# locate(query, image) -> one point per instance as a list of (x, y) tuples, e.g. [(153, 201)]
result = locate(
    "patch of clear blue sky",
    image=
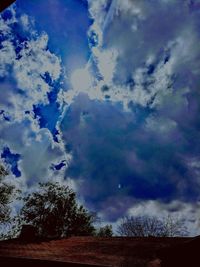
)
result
[(66, 22), (11, 159)]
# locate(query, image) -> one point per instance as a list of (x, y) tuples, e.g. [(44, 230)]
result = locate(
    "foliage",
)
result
[(143, 226), (6, 192), (53, 210), (105, 231)]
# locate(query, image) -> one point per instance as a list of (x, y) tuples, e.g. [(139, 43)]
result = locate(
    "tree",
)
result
[(53, 210), (174, 227), (105, 231), (6, 193), (143, 226)]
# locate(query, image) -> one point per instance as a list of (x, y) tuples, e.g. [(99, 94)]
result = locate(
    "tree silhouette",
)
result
[(143, 226), (105, 231), (54, 211), (6, 192)]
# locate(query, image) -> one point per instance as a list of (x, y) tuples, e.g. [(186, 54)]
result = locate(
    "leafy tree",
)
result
[(143, 226), (6, 192), (105, 231), (53, 210)]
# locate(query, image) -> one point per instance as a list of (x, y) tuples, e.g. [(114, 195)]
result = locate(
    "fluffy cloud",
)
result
[(177, 209), (128, 139), (139, 157), (152, 56), (28, 73), (25, 62), (135, 52), (136, 130)]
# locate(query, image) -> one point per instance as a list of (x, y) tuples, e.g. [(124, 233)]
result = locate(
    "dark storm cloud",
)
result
[(156, 75), (145, 29), (116, 155)]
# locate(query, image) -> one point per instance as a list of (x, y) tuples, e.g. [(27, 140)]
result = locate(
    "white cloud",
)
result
[(149, 90), (37, 149), (28, 70), (132, 7), (160, 126), (7, 55), (25, 20), (176, 209), (132, 36), (81, 79), (106, 62), (98, 10), (84, 80)]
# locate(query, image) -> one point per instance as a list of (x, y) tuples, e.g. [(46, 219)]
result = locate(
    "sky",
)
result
[(103, 95)]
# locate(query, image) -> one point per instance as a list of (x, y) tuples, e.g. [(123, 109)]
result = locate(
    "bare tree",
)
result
[(174, 227), (144, 226)]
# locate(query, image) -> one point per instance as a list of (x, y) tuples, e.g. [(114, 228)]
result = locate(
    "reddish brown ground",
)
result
[(116, 251)]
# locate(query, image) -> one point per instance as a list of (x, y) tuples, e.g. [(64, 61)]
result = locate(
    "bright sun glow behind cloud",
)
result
[(81, 79)]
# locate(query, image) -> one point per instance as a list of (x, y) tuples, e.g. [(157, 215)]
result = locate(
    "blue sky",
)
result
[(104, 95)]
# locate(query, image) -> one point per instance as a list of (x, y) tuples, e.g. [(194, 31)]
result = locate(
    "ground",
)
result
[(116, 251)]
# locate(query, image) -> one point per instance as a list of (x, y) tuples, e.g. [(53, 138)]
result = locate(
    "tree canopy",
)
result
[(6, 192), (54, 211), (105, 231)]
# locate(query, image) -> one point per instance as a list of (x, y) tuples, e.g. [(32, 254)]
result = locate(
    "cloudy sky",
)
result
[(105, 95)]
